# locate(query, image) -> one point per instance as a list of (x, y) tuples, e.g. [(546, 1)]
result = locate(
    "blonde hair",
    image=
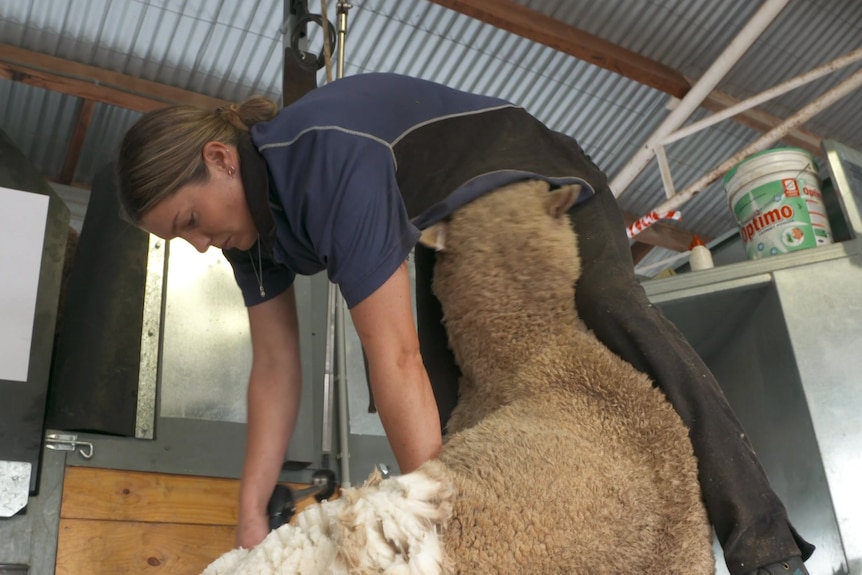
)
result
[(163, 151)]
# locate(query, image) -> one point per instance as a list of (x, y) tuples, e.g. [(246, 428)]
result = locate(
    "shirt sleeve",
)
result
[(367, 233), (275, 278)]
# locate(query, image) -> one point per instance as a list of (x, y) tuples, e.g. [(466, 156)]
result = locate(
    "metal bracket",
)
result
[(299, 73), (151, 335), (68, 442)]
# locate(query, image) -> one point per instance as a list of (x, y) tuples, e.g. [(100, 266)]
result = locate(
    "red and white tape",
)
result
[(649, 219)]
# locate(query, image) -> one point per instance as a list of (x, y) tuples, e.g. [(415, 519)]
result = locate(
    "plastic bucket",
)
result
[(776, 198)]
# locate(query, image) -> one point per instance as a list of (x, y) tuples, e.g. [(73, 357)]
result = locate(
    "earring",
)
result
[(231, 171)]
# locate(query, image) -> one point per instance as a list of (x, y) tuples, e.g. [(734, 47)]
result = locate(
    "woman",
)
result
[(343, 180)]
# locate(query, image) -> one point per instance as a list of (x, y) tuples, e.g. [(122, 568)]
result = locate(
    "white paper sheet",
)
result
[(23, 217)]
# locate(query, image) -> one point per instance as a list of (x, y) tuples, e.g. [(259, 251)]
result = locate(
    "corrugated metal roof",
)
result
[(232, 50)]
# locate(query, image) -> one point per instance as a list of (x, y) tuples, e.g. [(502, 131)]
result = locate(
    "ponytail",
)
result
[(248, 113)]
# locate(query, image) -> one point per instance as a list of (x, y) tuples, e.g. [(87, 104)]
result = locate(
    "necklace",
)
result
[(258, 275)]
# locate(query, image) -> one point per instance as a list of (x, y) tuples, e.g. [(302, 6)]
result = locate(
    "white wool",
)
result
[(388, 527), (226, 563)]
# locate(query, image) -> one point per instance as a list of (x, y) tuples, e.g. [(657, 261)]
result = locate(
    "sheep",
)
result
[(560, 457), (588, 462)]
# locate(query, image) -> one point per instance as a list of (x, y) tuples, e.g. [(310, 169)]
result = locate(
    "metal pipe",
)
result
[(765, 96), (698, 93), (852, 82), (341, 10), (343, 422), (341, 347), (664, 169), (329, 376)]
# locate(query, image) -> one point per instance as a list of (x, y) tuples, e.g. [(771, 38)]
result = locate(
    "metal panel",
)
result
[(206, 355), (206, 349), (150, 339), (97, 361), (742, 337), (780, 334), (823, 311), (31, 538), (845, 168), (193, 433), (22, 411), (76, 199)]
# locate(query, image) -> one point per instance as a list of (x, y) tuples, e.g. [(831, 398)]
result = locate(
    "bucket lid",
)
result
[(733, 170)]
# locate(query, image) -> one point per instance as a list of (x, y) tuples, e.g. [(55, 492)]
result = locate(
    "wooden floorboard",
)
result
[(94, 547), (126, 522), (116, 495)]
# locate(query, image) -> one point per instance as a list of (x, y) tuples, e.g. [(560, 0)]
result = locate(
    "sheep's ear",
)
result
[(560, 200), (434, 237)]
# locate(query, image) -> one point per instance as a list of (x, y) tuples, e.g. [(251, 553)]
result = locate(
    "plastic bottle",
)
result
[(700, 257)]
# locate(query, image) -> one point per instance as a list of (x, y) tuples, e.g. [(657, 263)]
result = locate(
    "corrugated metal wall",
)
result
[(232, 50)]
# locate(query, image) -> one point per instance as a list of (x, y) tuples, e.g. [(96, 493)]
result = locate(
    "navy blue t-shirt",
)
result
[(357, 167)]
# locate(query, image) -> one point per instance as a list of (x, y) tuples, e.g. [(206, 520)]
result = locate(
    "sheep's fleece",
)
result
[(560, 457)]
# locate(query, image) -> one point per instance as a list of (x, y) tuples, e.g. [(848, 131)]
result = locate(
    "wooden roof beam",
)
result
[(538, 27), (533, 25), (92, 83), (76, 142)]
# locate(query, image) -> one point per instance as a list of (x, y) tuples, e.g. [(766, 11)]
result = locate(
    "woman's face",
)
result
[(213, 213)]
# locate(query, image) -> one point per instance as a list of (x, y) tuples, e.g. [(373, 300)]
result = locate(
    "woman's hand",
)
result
[(251, 529)]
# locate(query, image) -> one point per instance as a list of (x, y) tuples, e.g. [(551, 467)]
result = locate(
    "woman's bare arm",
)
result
[(274, 391), (402, 390)]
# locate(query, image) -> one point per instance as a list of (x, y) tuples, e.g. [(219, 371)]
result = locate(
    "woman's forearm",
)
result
[(273, 405), (402, 390), (274, 392), (405, 402)]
